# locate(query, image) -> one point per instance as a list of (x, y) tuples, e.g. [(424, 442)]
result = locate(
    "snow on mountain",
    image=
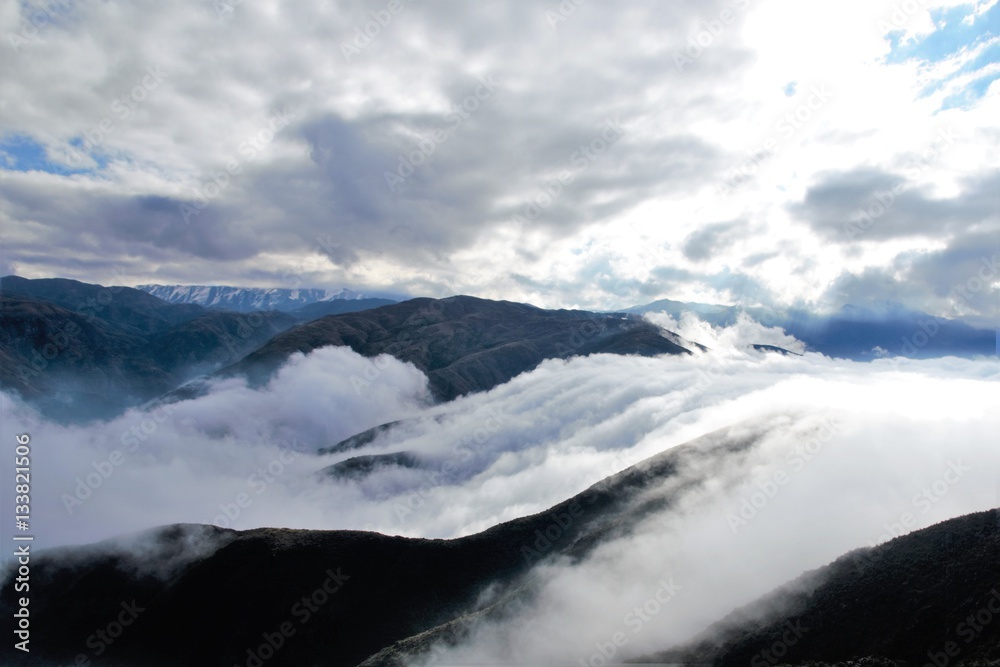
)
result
[(247, 299)]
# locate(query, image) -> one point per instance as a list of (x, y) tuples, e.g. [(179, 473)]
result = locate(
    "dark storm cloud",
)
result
[(559, 81), (709, 239), (421, 185), (868, 204), (957, 281), (108, 224), (446, 151), (965, 274)]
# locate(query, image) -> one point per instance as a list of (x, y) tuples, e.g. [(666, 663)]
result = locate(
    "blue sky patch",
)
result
[(953, 34), (22, 153)]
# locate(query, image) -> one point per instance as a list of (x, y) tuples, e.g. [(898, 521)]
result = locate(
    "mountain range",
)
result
[(861, 333), (352, 597), (464, 344), (80, 351), (250, 299)]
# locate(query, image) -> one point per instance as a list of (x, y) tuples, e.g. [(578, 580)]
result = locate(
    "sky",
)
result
[(581, 154)]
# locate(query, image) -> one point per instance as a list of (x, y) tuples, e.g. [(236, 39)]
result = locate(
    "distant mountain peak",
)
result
[(248, 299)]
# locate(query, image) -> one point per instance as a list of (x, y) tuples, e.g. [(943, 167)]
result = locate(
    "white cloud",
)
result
[(686, 132), (531, 443)]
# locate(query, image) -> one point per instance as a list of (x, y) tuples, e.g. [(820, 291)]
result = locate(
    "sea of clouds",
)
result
[(848, 454)]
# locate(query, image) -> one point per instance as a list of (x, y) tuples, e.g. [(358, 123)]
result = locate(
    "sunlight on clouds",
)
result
[(727, 117)]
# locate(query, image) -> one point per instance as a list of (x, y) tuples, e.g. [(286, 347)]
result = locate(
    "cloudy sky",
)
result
[(583, 154)]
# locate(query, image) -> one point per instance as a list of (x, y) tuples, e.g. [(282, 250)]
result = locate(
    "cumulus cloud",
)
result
[(873, 205), (119, 115), (190, 461), (709, 240), (737, 339)]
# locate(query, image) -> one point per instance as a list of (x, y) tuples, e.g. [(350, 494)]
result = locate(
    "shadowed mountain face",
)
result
[(358, 467), (932, 596), (70, 365), (314, 311), (341, 596), (462, 343), (77, 351), (130, 310), (358, 440), (200, 595)]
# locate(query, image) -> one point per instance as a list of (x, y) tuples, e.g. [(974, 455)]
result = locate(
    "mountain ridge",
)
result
[(463, 343), (387, 600), (225, 595), (907, 599), (249, 299), (859, 333)]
